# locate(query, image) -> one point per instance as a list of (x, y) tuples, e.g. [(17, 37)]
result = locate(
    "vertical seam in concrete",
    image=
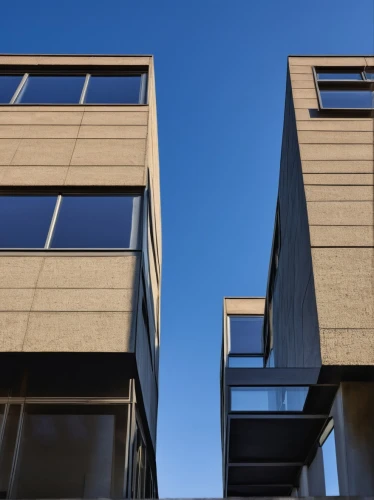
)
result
[(15, 152), (75, 143), (32, 303)]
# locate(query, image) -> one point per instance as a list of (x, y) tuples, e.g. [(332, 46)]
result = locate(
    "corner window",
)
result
[(245, 334), (8, 87), (49, 89), (113, 90), (329, 464), (69, 221)]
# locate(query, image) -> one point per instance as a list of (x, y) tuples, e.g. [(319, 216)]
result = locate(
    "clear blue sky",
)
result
[(221, 71)]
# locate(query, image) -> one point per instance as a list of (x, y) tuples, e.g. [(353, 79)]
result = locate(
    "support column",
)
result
[(353, 413)]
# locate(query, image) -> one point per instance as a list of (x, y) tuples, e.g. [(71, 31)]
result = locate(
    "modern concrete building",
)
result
[(303, 424), (80, 271)]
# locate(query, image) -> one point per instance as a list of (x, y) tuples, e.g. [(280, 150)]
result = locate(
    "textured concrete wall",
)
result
[(70, 302), (295, 322), (337, 165)]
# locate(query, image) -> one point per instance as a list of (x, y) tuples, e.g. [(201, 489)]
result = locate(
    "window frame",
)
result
[(136, 226), (342, 84), (47, 71), (242, 355)]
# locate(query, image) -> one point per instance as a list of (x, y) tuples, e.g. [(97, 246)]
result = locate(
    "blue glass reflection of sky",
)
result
[(330, 467)]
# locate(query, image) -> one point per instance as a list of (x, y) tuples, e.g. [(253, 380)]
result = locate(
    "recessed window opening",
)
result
[(347, 99), (69, 221), (268, 399)]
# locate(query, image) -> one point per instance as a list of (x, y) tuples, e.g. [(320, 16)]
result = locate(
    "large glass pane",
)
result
[(69, 452), (246, 362), (25, 220), (330, 466), (268, 398), (94, 221), (246, 334), (113, 90), (48, 89), (355, 99), (354, 75), (369, 74), (7, 448), (8, 86)]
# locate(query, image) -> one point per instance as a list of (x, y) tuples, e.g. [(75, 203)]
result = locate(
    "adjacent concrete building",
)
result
[(80, 271), (303, 424)]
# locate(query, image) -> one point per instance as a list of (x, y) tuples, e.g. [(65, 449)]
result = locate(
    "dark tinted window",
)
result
[(339, 76), (94, 222), (246, 334), (246, 362), (355, 99), (25, 220), (8, 85), (47, 89), (369, 75), (113, 90)]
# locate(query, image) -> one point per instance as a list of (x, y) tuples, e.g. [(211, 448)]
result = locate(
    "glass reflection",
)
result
[(48, 89), (246, 334), (25, 220), (94, 221), (353, 99), (330, 465), (8, 86), (270, 399), (113, 90), (246, 362), (339, 76)]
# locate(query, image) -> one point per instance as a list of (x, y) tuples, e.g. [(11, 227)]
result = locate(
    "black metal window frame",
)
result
[(52, 71), (242, 355), (342, 84)]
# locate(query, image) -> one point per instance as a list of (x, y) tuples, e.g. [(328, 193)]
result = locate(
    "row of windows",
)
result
[(69, 221), (368, 74), (72, 89)]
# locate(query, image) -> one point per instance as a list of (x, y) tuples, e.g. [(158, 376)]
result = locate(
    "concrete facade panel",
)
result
[(301, 77), (16, 299), (339, 179), (335, 137), (306, 103), (244, 305), (326, 61), (78, 332), (304, 93), (112, 132), (336, 125), (19, 272), (33, 176), (121, 118), (8, 148), (336, 152), (13, 327), (349, 346), (338, 167), (344, 280), (97, 300), (14, 116), (300, 69), (43, 152), (88, 272), (303, 84), (339, 193), (341, 236), (109, 152), (105, 176), (336, 213)]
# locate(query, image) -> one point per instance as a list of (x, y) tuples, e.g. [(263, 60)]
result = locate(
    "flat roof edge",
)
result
[(74, 55), (331, 55)]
